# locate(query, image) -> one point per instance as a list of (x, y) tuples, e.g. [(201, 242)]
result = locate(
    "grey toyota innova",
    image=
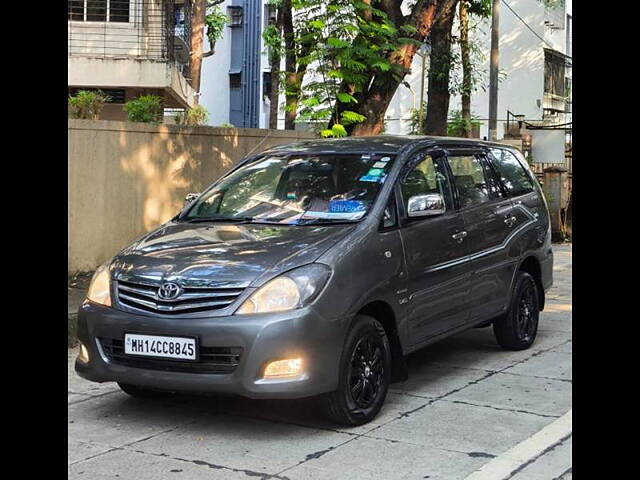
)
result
[(312, 269)]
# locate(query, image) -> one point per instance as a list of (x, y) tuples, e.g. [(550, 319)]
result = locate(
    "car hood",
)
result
[(215, 254)]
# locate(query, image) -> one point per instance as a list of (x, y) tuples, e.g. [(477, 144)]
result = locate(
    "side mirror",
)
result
[(426, 205), (190, 198)]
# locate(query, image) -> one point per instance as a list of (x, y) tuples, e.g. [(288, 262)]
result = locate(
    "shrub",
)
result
[(87, 104), (458, 127), (197, 115), (145, 109)]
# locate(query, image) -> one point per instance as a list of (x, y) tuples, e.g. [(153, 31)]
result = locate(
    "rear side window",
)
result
[(511, 172), (469, 180)]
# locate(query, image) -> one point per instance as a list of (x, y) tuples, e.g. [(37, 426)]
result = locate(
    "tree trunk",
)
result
[(292, 87), (275, 77), (198, 12), (374, 101), (440, 65), (466, 68)]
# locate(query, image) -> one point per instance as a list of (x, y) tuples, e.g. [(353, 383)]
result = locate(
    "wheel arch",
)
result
[(383, 313), (531, 265)]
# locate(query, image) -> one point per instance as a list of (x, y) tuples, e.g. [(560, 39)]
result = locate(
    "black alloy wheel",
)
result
[(518, 327), (365, 374)]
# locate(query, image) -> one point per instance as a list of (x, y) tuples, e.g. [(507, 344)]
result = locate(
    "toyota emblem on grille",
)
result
[(169, 291)]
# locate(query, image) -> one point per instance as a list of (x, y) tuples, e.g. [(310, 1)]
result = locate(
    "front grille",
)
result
[(143, 296), (217, 360)]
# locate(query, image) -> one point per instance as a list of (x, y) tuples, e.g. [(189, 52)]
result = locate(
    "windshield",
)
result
[(296, 189)]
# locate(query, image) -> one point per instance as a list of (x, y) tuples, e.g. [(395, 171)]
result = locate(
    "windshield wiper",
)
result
[(219, 220), (320, 221)]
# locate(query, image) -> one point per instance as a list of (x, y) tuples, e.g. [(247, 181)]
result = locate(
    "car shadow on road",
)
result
[(424, 376)]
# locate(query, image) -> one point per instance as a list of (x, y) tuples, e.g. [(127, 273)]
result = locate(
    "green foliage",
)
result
[(215, 20), (227, 125), (87, 104), (197, 115), (346, 42), (414, 120), (458, 126), (145, 109)]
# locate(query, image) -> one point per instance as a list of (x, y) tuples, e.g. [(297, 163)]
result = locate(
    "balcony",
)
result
[(141, 46)]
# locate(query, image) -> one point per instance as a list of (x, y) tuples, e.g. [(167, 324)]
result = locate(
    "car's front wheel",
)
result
[(365, 372), (517, 329)]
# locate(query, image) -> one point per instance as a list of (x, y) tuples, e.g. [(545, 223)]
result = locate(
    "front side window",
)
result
[(469, 180), (512, 174), (296, 189), (425, 178)]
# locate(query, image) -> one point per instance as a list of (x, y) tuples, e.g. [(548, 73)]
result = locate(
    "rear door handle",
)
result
[(459, 236)]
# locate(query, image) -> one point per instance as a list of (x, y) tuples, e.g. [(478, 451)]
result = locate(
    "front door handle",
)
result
[(459, 237), (510, 221)]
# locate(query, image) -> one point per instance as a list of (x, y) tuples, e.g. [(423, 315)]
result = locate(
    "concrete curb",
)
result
[(517, 458)]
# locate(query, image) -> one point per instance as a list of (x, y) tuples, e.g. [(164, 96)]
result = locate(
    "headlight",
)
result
[(100, 287), (294, 289)]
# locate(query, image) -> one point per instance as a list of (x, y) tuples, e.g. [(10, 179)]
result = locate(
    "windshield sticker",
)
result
[(346, 206), (373, 178), (375, 172), (379, 165), (385, 159)]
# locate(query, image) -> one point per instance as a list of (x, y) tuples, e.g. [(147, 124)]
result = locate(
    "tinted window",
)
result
[(512, 173), (424, 178), (469, 180)]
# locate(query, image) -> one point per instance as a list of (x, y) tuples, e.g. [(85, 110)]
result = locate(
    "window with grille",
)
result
[(554, 73), (235, 80), (99, 10), (235, 16)]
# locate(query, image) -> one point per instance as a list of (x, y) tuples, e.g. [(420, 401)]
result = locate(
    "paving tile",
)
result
[(80, 450), (550, 364), (367, 458), (531, 394), (463, 428), (131, 465), (433, 380), (244, 443)]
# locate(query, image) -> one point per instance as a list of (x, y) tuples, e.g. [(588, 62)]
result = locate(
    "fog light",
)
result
[(83, 355), (290, 367)]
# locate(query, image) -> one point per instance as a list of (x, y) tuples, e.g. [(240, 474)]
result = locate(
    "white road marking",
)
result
[(504, 465)]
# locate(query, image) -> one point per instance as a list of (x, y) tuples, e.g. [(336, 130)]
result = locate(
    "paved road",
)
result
[(467, 407)]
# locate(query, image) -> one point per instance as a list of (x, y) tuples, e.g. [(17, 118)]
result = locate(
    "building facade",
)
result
[(129, 48), (235, 80)]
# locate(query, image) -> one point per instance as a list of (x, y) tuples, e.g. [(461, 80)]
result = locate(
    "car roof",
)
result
[(375, 144)]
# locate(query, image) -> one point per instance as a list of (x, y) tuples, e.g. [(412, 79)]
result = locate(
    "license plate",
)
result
[(160, 346)]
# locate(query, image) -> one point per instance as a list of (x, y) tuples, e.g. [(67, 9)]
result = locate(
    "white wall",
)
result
[(214, 81)]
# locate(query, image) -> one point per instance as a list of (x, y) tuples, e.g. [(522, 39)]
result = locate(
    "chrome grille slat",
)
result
[(143, 297)]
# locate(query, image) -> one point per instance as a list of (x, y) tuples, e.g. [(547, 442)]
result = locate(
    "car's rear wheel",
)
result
[(517, 329), (142, 392), (365, 372)]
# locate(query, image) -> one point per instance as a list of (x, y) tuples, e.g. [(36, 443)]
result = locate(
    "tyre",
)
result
[(365, 372), (141, 392), (517, 329)]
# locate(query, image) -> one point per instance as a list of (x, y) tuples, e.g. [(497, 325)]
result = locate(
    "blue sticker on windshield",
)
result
[(346, 206)]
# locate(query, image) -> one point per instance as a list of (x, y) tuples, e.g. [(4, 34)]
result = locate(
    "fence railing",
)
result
[(143, 29)]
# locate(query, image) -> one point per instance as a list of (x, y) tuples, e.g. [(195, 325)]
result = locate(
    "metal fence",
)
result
[(143, 29)]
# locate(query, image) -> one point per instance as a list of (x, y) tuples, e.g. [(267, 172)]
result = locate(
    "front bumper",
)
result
[(262, 337)]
